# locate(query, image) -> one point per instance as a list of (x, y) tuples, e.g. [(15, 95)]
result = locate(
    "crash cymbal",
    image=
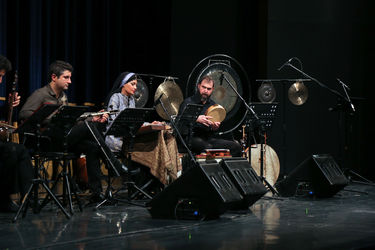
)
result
[(141, 94), (298, 93), (266, 92), (172, 98)]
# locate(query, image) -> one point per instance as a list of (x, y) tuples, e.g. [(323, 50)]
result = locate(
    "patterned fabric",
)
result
[(158, 151)]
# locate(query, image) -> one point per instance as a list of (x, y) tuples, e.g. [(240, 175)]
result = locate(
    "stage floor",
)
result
[(345, 221)]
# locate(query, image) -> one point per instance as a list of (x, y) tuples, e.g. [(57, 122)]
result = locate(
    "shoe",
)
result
[(9, 206)]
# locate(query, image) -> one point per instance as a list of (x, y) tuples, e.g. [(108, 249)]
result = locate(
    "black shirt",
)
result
[(199, 129)]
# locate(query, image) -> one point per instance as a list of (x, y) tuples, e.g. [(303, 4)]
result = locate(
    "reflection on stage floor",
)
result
[(345, 221)]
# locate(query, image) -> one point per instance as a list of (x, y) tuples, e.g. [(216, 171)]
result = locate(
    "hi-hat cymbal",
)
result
[(172, 98), (298, 93)]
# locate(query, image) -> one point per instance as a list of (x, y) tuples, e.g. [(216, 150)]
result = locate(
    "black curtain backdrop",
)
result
[(99, 38)]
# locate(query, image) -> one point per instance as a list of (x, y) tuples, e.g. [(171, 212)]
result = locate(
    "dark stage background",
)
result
[(101, 39)]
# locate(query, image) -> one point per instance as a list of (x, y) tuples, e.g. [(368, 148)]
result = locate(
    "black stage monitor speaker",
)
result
[(245, 179), (318, 175), (203, 192)]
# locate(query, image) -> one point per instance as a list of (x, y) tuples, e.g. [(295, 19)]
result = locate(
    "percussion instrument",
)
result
[(152, 128), (171, 96), (266, 92), (298, 93), (271, 163), (217, 112), (229, 77), (141, 94)]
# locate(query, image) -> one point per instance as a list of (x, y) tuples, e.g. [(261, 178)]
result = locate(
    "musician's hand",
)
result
[(205, 120), (215, 125), (100, 118), (16, 100)]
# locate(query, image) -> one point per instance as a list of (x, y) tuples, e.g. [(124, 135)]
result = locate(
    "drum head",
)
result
[(217, 112), (271, 163)]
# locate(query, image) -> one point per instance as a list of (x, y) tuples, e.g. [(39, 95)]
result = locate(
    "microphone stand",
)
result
[(269, 186), (318, 82), (346, 98)]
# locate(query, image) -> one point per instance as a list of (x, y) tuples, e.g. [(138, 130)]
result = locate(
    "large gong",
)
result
[(229, 77)]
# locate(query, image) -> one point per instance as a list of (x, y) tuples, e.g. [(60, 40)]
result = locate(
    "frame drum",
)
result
[(217, 112), (271, 163)]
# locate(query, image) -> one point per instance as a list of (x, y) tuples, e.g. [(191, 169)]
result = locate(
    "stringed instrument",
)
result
[(6, 129)]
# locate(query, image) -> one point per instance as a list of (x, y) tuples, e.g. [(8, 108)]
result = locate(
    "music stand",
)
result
[(33, 125), (126, 124), (263, 123), (110, 163), (186, 120), (61, 124)]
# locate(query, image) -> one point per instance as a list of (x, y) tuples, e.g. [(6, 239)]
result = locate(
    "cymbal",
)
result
[(298, 93), (172, 98), (266, 92), (141, 94)]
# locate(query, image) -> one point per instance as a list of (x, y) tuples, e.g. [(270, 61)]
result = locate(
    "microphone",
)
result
[(343, 84), (286, 63), (137, 95), (158, 100)]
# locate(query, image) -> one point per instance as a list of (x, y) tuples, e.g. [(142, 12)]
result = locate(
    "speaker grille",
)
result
[(245, 179), (321, 172)]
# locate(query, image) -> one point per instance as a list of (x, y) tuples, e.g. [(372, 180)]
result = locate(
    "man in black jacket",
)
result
[(204, 129)]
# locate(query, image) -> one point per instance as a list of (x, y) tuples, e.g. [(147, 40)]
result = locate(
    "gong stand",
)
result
[(257, 121)]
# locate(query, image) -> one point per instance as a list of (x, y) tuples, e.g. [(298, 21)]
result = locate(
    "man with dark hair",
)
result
[(79, 139), (204, 129), (16, 170)]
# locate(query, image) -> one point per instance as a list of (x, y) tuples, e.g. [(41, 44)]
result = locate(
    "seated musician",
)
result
[(204, 129), (79, 139), (16, 170), (158, 150)]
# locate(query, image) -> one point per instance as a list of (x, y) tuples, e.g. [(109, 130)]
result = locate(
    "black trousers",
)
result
[(200, 143), (16, 169), (79, 140)]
